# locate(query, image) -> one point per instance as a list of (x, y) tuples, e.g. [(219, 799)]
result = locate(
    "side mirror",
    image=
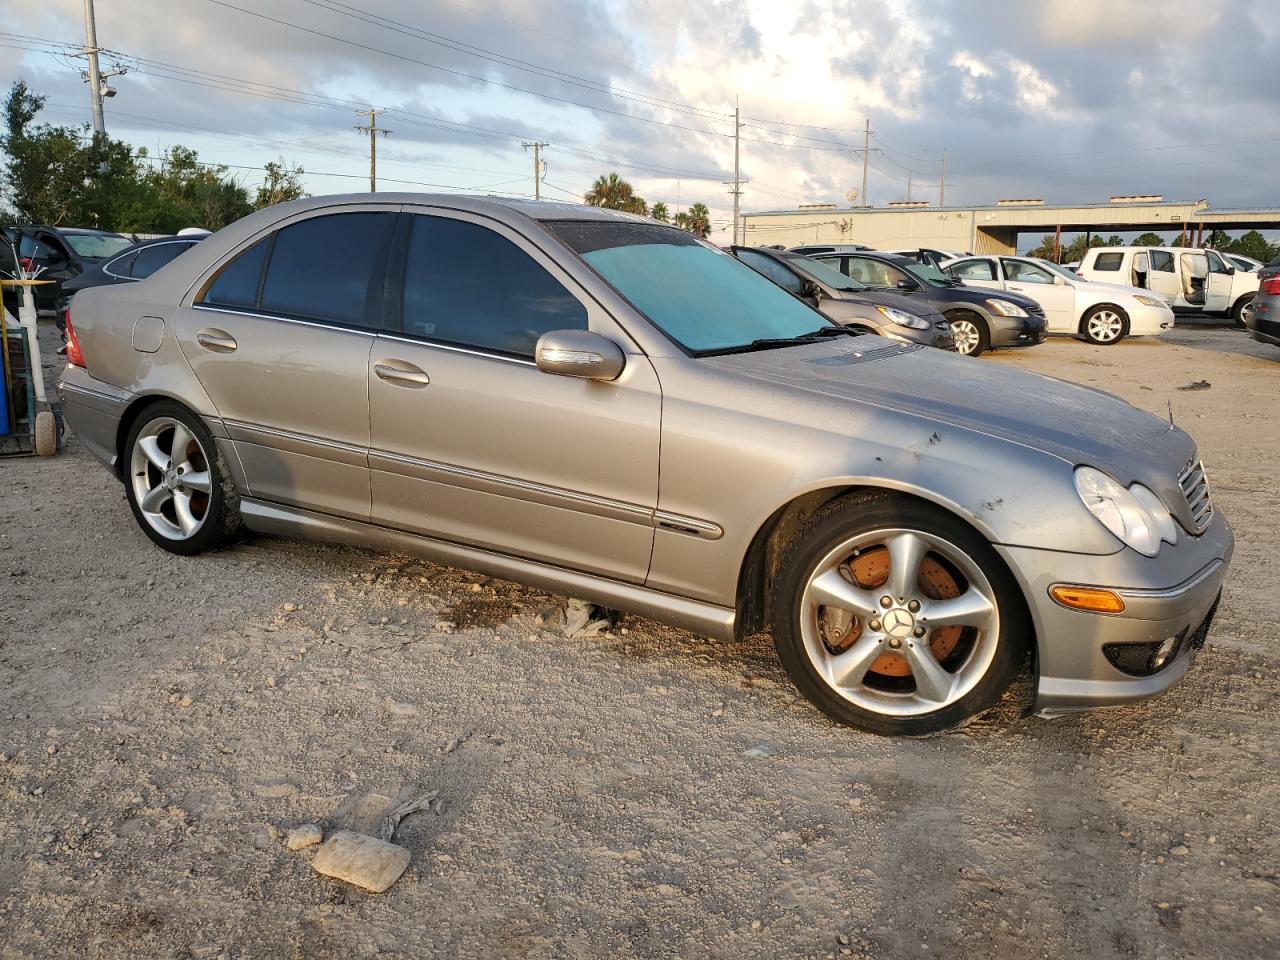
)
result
[(579, 353), (1058, 280), (906, 283)]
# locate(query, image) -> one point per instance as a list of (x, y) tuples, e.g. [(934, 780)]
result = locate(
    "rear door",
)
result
[(471, 442), (1162, 276), (280, 338)]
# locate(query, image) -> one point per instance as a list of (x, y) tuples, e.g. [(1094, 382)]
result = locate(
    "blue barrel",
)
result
[(4, 391)]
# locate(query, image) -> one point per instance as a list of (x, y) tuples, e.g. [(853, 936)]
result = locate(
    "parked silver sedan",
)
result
[(608, 407)]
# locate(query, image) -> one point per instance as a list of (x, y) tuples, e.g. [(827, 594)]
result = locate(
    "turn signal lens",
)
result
[(1087, 598)]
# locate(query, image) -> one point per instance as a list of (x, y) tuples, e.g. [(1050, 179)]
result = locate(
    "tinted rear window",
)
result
[(151, 259), (322, 268), (1108, 261), (237, 284)]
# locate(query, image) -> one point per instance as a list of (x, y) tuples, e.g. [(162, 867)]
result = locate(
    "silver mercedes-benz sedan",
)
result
[(610, 408)]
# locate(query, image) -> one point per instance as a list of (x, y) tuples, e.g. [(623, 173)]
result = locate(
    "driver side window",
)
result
[(1019, 271), (973, 270), (773, 270)]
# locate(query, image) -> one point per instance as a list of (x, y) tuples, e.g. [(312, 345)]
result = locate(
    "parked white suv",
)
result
[(1102, 313), (1199, 280)]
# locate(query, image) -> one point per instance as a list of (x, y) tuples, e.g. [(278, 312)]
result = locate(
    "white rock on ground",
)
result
[(307, 835), (366, 862)]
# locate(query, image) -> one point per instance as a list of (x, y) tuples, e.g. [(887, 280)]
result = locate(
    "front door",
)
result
[(1052, 291), (472, 443), (280, 340), (977, 272), (1218, 282)]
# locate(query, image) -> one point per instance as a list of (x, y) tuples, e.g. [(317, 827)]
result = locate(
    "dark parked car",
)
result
[(1262, 316), (979, 318), (133, 264), (64, 253), (846, 302)]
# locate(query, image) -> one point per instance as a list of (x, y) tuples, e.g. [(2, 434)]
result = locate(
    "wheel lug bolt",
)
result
[(919, 631), (886, 602), (874, 624), (913, 606), (895, 642)]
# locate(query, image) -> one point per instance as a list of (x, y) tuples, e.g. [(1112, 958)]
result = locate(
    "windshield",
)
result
[(824, 273), (96, 244), (702, 298)]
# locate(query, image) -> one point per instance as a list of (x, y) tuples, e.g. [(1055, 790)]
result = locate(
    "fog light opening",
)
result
[(1090, 599), (1163, 653)]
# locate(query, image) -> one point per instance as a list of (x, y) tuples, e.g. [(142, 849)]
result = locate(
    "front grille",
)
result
[(1195, 487), (1036, 310)]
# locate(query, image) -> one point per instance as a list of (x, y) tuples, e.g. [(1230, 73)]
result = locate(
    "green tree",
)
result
[(682, 220), (46, 168), (199, 194), (1253, 244), (699, 221), (1148, 239), (659, 212), (282, 183)]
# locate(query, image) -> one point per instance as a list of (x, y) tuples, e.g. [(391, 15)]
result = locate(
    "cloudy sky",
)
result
[(1069, 100)]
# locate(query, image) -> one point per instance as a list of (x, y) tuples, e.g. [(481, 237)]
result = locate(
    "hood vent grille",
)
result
[(1195, 487)]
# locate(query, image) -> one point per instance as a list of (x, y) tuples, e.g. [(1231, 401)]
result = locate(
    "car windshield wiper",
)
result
[(822, 333)]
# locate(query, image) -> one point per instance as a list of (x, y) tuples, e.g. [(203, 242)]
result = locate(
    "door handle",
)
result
[(400, 373), (219, 341)]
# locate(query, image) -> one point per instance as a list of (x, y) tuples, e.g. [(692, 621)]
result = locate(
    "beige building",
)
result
[(994, 228)]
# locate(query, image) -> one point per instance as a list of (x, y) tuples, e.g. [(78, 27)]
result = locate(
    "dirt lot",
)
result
[(647, 793)]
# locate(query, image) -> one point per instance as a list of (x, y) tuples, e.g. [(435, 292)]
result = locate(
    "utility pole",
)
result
[(373, 130), (96, 83), (867, 156), (942, 183), (737, 173), (908, 186), (539, 168)]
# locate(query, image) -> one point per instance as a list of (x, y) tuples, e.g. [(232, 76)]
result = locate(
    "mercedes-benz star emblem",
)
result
[(899, 623)]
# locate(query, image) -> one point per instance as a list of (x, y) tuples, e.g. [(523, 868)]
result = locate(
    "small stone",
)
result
[(755, 924), (6, 756), (1159, 860), (667, 890), (843, 939), (1179, 851), (271, 682), (186, 701), (366, 862), (51, 749), (307, 835), (718, 712), (1126, 834), (451, 746), (476, 588), (1163, 905), (289, 607), (759, 751)]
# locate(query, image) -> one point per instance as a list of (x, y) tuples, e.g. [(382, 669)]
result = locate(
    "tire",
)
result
[(46, 434), (970, 333), (186, 504), (1104, 325), (882, 678), (1239, 308)]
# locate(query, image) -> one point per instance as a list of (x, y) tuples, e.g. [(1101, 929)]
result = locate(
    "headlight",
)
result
[(903, 318), (1135, 515), (1006, 308), (1150, 301)]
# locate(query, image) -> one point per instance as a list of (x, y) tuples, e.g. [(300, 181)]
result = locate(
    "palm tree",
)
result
[(682, 220), (637, 206), (659, 212), (612, 192), (699, 220)]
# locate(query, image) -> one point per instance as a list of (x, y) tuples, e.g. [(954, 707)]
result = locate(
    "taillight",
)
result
[(75, 356), (1271, 286)]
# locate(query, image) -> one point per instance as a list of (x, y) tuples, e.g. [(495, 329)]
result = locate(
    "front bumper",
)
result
[(1170, 595), (937, 334), (1263, 321), (1145, 321), (1016, 331)]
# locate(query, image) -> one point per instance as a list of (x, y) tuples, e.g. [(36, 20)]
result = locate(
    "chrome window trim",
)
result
[(321, 324), (471, 351), (135, 252)]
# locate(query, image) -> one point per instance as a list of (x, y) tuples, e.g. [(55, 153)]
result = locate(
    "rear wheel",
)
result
[(894, 616), (1104, 325), (1241, 308), (970, 334), (178, 486)]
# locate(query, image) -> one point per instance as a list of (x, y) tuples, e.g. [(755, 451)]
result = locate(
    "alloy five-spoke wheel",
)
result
[(177, 483), (169, 471), (893, 615)]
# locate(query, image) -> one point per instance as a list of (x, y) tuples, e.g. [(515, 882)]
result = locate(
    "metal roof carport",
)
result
[(994, 228)]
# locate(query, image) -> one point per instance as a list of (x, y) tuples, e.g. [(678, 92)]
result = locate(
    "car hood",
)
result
[(1080, 425), (886, 298), (963, 294)]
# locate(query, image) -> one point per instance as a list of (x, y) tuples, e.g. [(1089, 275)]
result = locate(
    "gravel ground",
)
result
[(164, 722)]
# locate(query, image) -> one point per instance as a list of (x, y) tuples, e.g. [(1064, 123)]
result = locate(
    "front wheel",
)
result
[(970, 335), (894, 616), (178, 485), (1105, 325)]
